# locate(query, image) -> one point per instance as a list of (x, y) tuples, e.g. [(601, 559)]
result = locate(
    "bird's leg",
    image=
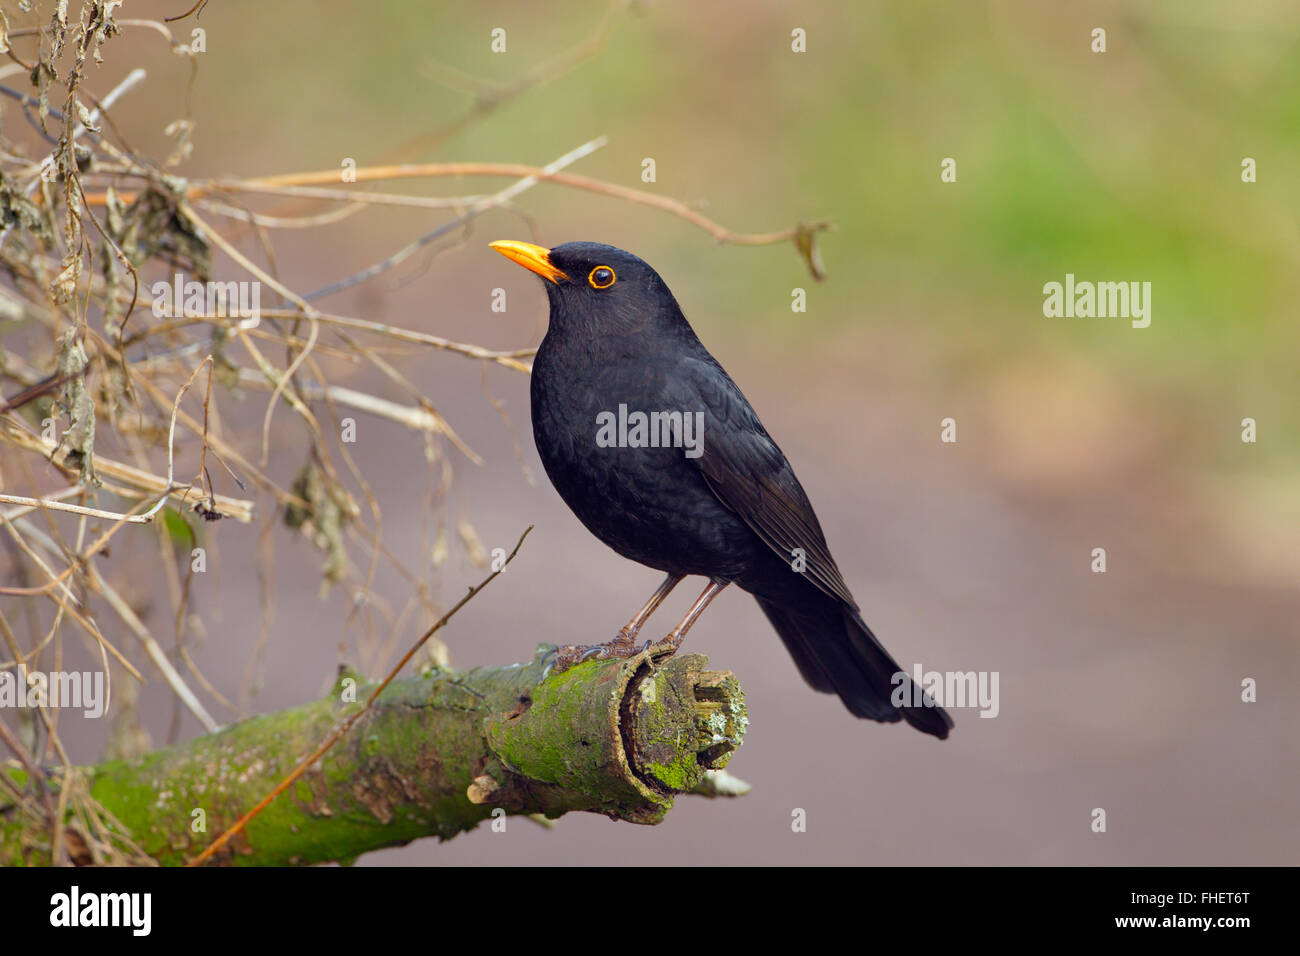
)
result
[(633, 627), (623, 644), (668, 646)]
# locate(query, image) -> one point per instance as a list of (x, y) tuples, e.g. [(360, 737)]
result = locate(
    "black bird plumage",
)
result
[(736, 513)]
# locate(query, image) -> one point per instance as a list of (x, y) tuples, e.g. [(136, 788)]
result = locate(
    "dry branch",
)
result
[(436, 755), (88, 226)]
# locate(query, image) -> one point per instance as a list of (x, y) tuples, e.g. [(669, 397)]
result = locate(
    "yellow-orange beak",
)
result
[(531, 257)]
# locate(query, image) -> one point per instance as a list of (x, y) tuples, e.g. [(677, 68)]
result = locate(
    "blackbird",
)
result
[(655, 449)]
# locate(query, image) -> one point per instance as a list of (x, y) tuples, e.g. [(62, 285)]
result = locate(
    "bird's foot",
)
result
[(665, 648), (620, 648)]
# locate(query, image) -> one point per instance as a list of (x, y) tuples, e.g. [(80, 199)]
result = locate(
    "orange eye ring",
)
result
[(601, 277)]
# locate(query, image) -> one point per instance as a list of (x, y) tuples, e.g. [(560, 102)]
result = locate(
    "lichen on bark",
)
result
[(436, 755)]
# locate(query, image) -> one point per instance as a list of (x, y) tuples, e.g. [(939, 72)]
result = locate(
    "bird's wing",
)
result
[(750, 475)]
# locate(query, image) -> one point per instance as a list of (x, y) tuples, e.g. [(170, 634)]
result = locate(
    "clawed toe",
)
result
[(617, 649), (620, 648), (663, 649)]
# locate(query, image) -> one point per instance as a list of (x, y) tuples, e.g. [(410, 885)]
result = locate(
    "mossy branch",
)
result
[(435, 756)]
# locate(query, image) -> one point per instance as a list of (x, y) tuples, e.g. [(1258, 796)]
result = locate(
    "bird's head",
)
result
[(596, 288)]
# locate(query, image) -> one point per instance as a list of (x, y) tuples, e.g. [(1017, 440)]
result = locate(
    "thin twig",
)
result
[(337, 733), (473, 212)]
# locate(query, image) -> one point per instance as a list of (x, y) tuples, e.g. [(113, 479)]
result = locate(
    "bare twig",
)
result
[(215, 846)]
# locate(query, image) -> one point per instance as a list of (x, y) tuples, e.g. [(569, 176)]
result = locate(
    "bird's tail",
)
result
[(836, 653)]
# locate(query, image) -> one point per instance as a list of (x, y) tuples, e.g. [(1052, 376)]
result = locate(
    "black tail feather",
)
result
[(836, 653)]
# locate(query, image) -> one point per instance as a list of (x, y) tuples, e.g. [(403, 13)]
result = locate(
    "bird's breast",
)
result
[(624, 460)]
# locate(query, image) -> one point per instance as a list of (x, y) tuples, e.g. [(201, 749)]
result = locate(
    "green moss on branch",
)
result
[(435, 756)]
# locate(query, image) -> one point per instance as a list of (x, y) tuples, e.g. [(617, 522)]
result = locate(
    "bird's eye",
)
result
[(602, 277)]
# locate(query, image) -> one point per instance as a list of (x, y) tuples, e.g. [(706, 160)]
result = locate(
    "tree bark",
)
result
[(436, 755)]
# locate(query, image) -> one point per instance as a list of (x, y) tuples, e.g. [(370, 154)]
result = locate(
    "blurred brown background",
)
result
[(1118, 690)]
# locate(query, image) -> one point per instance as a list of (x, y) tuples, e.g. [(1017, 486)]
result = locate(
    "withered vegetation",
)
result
[(112, 401)]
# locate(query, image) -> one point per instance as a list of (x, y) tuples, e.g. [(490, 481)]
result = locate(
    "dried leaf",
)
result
[(75, 401)]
